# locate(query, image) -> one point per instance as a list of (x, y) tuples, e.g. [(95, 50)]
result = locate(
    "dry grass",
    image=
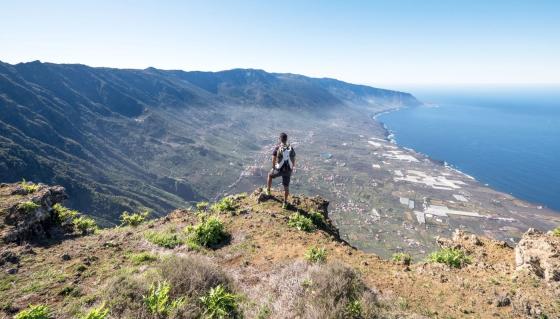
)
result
[(303, 290), (336, 291), (192, 276), (124, 296)]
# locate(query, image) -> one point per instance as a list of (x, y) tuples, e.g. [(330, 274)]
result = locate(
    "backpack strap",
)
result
[(285, 150)]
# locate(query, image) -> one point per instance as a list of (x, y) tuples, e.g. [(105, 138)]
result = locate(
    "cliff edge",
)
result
[(245, 256)]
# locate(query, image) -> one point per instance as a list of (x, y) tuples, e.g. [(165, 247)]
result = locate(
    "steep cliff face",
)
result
[(267, 262)]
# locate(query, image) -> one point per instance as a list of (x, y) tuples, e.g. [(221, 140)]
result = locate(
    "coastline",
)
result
[(390, 137)]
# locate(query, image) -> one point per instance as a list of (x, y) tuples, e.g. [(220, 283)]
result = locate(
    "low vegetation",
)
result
[(219, 303), (301, 222), (134, 219), (73, 219), (354, 309), (158, 300), (172, 289), (100, 312), (143, 257), (336, 291), (402, 258), (317, 218), (226, 204), (452, 257), (28, 206), (34, 312), (64, 215), (167, 238), (29, 187), (192, 276), (210, 231), (85, 225), (556, 231), (316, 255), (124, 295), (202, 206)]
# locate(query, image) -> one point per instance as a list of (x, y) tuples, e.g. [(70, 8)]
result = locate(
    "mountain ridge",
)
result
[(121, 139)]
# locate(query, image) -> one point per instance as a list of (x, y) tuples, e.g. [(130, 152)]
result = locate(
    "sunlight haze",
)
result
[(370, 42)]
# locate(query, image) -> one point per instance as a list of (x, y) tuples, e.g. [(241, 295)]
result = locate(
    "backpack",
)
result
[(283, 156)]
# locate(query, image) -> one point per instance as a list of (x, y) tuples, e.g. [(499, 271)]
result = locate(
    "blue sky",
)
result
[(393, 42)]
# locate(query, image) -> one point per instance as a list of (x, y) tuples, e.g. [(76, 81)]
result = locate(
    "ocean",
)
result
[(506, 137)]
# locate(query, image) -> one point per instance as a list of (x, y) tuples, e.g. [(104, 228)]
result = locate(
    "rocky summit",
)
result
[(245, 256)]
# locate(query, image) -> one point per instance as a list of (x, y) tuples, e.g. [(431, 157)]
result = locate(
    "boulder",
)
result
[(539, 253), (20, 224)]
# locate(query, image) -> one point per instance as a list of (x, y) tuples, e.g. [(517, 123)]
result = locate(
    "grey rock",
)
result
[(20, 225), (539, 253), (502, 301), (12, 271)]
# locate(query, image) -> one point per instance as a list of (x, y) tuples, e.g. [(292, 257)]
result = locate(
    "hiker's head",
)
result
[(283, 138)]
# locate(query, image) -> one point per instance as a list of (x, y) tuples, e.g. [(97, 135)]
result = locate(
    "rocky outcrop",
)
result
[(539, 253), (26, 214)]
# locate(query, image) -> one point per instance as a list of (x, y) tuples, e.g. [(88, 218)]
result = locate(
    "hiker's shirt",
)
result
[(285, 166)]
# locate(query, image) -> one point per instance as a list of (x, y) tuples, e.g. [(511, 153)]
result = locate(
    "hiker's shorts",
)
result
[(286, 174)]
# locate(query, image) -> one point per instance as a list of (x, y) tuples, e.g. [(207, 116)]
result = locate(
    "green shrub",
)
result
[(34, 312), (96, 313), (219, 303), (316, 255), (28, 206), (239, 196), (450, 256), (29, 187), (85, 225), (68, 217), (301, 222), (210, 231), (556, 231), (202, 206), (354, 309), (158, 301), (226, 204), (403, 258), (64, 215), (142, 257), (135, 219), (317, 218), (166, 239)]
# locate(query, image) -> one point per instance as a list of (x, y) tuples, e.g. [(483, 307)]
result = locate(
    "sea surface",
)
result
[(506, 137)]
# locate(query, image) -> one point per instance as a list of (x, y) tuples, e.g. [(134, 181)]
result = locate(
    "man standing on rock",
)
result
[(283, 164)]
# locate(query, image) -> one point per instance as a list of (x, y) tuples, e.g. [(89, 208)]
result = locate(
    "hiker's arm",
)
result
[(294, 163)]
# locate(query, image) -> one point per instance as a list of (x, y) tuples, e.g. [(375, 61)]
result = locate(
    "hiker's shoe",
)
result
[(267, 192), (285, 205)]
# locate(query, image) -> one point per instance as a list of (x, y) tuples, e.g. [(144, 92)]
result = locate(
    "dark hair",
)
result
[(283, 137)]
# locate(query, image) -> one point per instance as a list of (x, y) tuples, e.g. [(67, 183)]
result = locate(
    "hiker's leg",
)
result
[(286, 184), (269, 182)]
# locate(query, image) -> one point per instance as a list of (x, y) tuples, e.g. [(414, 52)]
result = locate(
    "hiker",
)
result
[(283, 164)]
